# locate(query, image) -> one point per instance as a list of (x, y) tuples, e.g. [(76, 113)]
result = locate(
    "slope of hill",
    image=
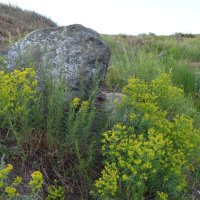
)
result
[(15, 22)]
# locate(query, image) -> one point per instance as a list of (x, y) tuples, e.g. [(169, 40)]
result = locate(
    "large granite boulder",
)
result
[(74, 52)]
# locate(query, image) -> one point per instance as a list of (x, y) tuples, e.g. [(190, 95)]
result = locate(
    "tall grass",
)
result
[(151, 56), (61, 128)]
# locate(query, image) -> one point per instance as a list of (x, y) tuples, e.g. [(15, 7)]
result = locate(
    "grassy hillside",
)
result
[(144, 146), (16, 23)]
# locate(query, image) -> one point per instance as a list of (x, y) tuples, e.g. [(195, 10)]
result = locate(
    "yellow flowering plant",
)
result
[(150, 152), (79, 119), (37, 181), (75, 102), (18, 91), (8, 191), (9, 188), (16, 83)]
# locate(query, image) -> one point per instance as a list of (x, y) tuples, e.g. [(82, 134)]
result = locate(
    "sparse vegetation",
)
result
[(69, 148)]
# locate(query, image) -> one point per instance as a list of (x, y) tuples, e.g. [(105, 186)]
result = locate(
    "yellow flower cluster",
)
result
[(150, 148), (4, 173), (167, 95), (107, 185), (6, 189), (17, 89), (139, 158), (75, 102), (147, 111), (37, 180), (12, 192)]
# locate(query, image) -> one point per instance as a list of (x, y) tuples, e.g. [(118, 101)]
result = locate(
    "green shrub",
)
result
[(18, 91), (154, 151)]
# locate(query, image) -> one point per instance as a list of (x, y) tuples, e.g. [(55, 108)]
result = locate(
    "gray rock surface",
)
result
[(74, 52), (111, 101)]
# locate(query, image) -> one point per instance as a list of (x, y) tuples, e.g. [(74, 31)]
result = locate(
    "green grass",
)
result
[(150, 56)]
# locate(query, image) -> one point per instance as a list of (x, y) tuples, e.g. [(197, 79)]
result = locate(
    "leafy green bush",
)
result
[(155, 149)]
